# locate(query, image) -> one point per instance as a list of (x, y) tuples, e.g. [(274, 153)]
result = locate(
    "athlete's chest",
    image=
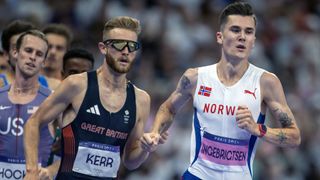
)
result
[(14, 116), (216, 101), (112, 99)]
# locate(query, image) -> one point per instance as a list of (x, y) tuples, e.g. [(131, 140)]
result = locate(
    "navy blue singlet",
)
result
[(93, 143)]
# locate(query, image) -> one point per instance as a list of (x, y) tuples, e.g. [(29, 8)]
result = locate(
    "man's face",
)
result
[(31, 55), (119, 61), (57, 49), (237, 37), (76, 66)]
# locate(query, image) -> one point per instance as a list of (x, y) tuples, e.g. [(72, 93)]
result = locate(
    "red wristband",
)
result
[(262, 130)]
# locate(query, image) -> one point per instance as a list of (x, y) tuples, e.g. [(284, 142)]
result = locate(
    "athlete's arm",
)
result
[(50, 171), (273, 95), (175, 102), (169, 108), (134, 155), (54, 105)]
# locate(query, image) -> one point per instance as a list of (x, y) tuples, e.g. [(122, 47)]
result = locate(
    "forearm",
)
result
[(163, 119), (283, 137), (31, 141), (53, 168), (135, 157)]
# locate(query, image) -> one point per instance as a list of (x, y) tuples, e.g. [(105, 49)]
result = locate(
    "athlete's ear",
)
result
[(103, 48), (219, 37), (15, 53)]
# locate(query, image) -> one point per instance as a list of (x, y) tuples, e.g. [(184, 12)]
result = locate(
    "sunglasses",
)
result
[(120, 44)]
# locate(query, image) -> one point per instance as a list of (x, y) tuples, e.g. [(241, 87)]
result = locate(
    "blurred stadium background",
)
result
[(179, 34)]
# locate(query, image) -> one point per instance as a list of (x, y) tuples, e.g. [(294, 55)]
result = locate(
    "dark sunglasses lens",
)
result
[(119, 45), (133, 46)]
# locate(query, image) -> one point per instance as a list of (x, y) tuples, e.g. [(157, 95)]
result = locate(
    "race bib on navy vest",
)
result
[(98, 160)]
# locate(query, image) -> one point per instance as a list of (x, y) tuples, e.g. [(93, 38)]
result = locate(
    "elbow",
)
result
[(296, 140)]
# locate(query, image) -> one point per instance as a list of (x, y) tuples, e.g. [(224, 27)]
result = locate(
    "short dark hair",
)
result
[(61, 30), (33, 32), (237, 8), (14, 28), (78, 53)]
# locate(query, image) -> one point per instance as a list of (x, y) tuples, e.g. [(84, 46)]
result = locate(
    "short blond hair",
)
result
[(123, 22)]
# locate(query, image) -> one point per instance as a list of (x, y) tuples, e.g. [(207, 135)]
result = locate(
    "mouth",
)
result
[(123, 61), (30, 65), (241, 47)]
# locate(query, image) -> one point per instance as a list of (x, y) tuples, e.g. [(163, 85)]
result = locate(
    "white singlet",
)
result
[(219, 148)]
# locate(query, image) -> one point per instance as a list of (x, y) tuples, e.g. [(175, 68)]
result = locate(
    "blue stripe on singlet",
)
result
[(252, 142), (197, 134), (4, 79), (43, 81)]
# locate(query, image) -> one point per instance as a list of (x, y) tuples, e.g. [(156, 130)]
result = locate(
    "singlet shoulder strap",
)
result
[(92, 86), (43, 81), (130, 92), (5, 88), (3, 80), (44, 90)]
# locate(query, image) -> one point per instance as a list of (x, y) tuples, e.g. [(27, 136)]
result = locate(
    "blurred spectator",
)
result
[(59, 37)]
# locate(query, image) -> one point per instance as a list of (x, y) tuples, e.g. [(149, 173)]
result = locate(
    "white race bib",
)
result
[(98, 160), (12, 168)]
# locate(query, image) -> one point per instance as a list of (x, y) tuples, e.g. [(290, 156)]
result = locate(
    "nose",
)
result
[(242, 36), (52, 50), (125, 50), (33, 56)]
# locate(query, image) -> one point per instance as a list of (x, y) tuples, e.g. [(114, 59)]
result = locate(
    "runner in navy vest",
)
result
[(107, 113), (75, 61), (18, 101)]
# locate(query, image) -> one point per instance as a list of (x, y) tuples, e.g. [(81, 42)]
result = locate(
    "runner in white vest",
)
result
[(230, 100)]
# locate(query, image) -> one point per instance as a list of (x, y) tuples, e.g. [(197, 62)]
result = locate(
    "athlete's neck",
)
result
[(229, 73), (112, 80), (24, 87)]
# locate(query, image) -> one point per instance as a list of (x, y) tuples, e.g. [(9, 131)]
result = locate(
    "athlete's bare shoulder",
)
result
[(271, 87), (192, 75), (269, 80), (143, 102), (188, 81), (76, 81), (142, 97)]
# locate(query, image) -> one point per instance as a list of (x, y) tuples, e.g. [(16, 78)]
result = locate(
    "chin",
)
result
[(123, 69), (240, 56)]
